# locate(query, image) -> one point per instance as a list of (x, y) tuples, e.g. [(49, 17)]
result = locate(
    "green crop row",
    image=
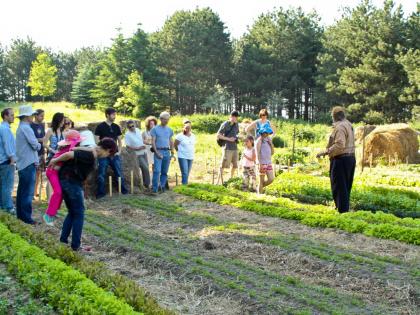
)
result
[(122, 287), (314, 189), (65, 288), (379, 224)]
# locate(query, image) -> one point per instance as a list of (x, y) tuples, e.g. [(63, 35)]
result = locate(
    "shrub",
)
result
[(284, 156), (207, 123), (278, 142), (305, 134), (374, 118)]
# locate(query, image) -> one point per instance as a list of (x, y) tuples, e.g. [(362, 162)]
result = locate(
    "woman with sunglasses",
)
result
[(68, 125), (260, 124), (134, 142)]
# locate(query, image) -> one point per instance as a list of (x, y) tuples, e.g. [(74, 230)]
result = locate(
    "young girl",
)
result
[(72, 139), (265, 150), (248, 163)]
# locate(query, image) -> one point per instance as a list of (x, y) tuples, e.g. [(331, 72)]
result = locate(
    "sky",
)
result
[(70, 24)]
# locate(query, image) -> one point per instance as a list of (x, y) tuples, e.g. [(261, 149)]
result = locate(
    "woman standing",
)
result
[(54, 135), (184, 144), (150, 122), (265, 150), (259, 124)]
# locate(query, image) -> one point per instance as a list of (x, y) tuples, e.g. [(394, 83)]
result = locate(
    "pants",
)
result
[(160, 170), (25, 193), (57, 195), (144, 167), (185, 166), (7, 180), (73, 223), (341, 177), (248, 176), (115, 163)]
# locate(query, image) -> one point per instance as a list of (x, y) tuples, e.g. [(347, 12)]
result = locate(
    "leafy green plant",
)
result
[(279, 142)]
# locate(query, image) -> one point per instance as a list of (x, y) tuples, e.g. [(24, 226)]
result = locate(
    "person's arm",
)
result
[(119, 141), (258, 151), (176, 144), (254, 155), (62, 158), (47, 137), (171, 146), (251, 126), (221, 136), (7, 141), (31, 139), (89, 149), (339, 142)]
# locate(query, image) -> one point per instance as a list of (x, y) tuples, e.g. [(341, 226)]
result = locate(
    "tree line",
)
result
[(367, 61)]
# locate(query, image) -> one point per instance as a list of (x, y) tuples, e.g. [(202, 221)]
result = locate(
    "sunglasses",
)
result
[(132, 126), (67, 123)]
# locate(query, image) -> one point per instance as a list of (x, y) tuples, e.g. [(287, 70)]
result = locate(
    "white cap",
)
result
[(165, 115), (26, 110)]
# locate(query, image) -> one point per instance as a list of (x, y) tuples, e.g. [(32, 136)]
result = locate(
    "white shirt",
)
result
[(186, 146), (134, 139), (89, 139)]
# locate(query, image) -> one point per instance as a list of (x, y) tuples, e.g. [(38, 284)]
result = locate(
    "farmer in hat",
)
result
[(7, 161), (76, 166), (27, 147), (73, 138), (264, 150), (163, 147), (340, 150)]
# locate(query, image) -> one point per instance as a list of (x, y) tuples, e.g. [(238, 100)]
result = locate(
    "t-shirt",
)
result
[(103, 130), (228, 130), (78, 168), (162, 135), (134, 139), (186, 146), (248, 153), (39, 131)]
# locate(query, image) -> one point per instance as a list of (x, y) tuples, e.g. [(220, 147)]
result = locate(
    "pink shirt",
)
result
[(248, 153)]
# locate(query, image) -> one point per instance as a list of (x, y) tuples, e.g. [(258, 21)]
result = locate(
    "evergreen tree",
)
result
[(83, 85)]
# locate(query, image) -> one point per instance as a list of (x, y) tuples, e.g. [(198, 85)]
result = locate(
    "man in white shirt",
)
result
[(134, 142)]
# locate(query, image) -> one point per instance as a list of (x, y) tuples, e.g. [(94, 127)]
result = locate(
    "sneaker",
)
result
[(48, 220), (84, 248), (11, 211)]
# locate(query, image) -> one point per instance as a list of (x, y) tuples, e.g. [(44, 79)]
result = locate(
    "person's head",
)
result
[(8, 115), (187, 126), (26, 113), (338, 113), (234, 115), (57, 122), (249, 141), (150, 122), (110, 114), (106, 147), (72, 139), (263, 113), (131, 126), (68, 123), (164, 118), (39, 116)]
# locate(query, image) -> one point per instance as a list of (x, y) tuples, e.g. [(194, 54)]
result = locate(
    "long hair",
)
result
[(148, 120), (56, 120)]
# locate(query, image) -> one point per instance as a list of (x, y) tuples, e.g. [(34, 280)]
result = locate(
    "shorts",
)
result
[(264, 168), (230, 157), (249, 172)]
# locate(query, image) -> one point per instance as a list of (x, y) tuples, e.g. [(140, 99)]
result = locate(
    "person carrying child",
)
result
[(73, 138), (248, 163), (264, 150)]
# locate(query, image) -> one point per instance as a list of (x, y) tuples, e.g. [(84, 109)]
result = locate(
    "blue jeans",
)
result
[(103, 163), (185, 166), (160, 170), (7, 180), (74, 200), (25, 193)]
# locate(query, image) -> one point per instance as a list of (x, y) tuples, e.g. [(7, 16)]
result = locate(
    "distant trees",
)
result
[(43, 76), (367, 61)]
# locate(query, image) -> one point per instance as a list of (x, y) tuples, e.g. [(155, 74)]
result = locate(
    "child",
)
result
[(72, 139), (265, 150), (248, 163)]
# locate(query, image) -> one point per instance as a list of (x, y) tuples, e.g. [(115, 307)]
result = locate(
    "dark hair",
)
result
[(5, 112), (250, 138), (39, 112), (108, 144), (71, 123), (234, 113), (109, 111), (263, 112), (56, 120)]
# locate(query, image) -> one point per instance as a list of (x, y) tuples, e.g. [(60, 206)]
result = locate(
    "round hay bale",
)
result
[(391, 142), (362, 132)]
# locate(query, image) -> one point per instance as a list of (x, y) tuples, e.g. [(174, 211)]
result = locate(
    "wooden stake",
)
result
[(40, 187), (212, 181), (132, 182), (176, 179), (363, 148), (406, 159), (110, 185), (288, 165), (119, 185)]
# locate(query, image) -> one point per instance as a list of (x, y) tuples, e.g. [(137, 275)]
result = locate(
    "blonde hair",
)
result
[(148, 120)]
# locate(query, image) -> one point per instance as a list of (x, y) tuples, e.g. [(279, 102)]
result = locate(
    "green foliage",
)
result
[(64, 288), (278, 142), (374, 118), (377, 224), (286, 156), (207, 123), (43, 76), (83, 84)]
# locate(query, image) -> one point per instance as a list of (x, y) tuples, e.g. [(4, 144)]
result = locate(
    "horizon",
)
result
[(127, 15)]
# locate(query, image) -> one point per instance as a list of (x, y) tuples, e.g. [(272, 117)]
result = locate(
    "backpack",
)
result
[(221, 142)]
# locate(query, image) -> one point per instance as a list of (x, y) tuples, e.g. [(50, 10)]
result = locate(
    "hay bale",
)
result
[(391, 142), (362, 132)]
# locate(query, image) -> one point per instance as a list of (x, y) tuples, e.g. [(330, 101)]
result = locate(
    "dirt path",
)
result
[(202, 258)]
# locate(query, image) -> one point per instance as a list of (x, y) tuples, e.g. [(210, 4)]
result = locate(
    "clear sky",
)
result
[(70, 24)]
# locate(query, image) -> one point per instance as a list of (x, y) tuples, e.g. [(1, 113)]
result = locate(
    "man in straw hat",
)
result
[(27, 147), (340, 150), (163, 147)]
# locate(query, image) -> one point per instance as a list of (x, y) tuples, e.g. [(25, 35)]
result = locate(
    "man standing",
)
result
[(7, 161), (227, 137), (109, 129), (27, 147), (341, 149), (38, 126), (162, 144)]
